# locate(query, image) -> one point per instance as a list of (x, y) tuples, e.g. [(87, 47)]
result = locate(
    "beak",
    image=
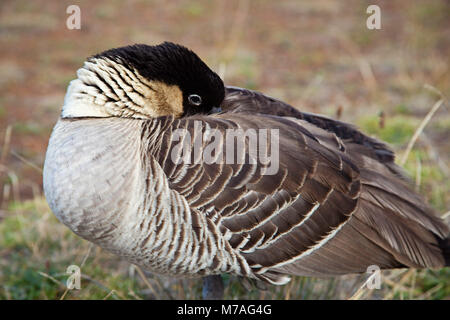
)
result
[(215, 110)]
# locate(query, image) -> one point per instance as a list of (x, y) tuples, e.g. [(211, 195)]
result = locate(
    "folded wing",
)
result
[(337, 203)]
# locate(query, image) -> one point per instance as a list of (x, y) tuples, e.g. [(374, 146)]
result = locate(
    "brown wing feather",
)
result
[(338, 203)]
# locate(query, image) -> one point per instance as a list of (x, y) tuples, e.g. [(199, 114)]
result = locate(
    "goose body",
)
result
[(118, 197), (336, 204)]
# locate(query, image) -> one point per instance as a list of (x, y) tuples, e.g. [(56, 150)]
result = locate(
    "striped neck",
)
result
[(107, 88)]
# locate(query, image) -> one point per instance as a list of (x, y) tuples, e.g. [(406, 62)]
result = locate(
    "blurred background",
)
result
[(319, 56)]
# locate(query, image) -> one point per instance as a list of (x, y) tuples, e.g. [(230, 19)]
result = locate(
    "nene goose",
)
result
[(336, 204)]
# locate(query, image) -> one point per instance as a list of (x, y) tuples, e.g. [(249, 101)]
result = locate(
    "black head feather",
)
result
[(173, 64)]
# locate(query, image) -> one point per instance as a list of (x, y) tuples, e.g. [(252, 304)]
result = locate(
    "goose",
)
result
[(335, 202)]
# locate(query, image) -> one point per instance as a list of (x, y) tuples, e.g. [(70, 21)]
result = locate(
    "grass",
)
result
[(396, 131), (36, 251)]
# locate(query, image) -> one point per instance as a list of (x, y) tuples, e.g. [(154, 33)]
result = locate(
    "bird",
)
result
[(126, 169)]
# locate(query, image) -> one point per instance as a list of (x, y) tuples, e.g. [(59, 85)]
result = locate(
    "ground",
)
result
[(318, 56)]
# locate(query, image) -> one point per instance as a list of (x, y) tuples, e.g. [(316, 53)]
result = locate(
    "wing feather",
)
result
[(337, 204)]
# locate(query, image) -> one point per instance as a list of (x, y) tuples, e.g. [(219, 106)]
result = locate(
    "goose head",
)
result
[(143, 82)]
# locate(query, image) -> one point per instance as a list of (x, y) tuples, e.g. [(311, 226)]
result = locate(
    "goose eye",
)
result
[(195, 99)]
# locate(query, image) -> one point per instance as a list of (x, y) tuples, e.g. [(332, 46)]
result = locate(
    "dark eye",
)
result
[(195, 99)]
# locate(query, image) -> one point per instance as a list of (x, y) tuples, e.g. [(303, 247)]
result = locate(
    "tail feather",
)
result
[(444, 244), (400, 216)]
